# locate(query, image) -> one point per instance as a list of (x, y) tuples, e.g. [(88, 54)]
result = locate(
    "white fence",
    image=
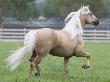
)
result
[(89, 35)]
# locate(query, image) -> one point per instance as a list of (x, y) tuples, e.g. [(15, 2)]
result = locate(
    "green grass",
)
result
[(52, 67)]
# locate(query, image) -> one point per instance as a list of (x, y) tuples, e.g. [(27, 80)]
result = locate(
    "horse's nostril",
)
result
[(96, 22)]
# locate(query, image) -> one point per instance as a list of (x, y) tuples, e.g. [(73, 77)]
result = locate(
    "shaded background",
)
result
[(48, 13)]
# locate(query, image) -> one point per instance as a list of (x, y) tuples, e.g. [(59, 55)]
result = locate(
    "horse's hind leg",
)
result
[(40, 54), (38, 71), (34, 65), (33, 55), (31, 60)]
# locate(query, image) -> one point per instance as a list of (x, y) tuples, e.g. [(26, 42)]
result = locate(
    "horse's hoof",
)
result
[(37, 74), (85, 66)]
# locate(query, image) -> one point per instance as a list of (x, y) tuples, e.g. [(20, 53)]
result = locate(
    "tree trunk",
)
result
[(1, 21)]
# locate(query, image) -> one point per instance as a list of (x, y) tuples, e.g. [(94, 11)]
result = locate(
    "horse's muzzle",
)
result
[(95, 22)]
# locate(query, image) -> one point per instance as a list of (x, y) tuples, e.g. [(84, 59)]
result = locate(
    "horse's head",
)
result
[(78, 19), (87, 17)]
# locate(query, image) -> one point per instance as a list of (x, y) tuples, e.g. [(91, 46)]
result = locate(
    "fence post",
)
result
[(106, 36), (24, 32), (95, 36), (0, 34)]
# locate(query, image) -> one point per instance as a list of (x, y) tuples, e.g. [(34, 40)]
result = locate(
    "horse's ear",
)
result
[(88, 6), (81, 6)]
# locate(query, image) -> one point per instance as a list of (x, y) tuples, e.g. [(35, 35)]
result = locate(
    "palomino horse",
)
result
[(66, 42)]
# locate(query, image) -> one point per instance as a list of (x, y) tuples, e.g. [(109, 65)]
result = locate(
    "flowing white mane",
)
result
[(74, 25), (67, 19)]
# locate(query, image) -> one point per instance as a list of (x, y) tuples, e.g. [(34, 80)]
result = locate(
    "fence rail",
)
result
[(89, 35)]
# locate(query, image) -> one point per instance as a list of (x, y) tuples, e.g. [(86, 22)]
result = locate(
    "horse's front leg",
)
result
[(79, 52), (66, 61), (87, 65)]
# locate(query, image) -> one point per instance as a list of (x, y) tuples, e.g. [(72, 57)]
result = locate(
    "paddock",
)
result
[(53, 71)]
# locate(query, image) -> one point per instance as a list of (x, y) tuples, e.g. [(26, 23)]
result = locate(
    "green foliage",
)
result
[(28, 10), (22, 9), (64, 7), (52, 67)]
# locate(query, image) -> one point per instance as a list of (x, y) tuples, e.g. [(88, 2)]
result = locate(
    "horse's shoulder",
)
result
[(79, 40)]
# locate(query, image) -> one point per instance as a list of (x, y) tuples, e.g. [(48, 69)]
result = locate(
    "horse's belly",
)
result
[(61, 52), (65, 47)]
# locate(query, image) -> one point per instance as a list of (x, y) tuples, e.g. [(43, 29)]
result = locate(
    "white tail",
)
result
[(14, 60)]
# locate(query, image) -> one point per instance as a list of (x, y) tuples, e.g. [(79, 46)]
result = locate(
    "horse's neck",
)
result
[(73, 29), (83, 20)]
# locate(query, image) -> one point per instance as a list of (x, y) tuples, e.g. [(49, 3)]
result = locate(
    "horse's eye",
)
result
[(90, 13)]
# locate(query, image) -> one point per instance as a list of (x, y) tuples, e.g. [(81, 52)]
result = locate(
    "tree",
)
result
[(24, 9), (64, 7), (3, 7), (21, 9)]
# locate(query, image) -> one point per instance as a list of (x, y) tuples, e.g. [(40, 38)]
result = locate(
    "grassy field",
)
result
[(52, 67)]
